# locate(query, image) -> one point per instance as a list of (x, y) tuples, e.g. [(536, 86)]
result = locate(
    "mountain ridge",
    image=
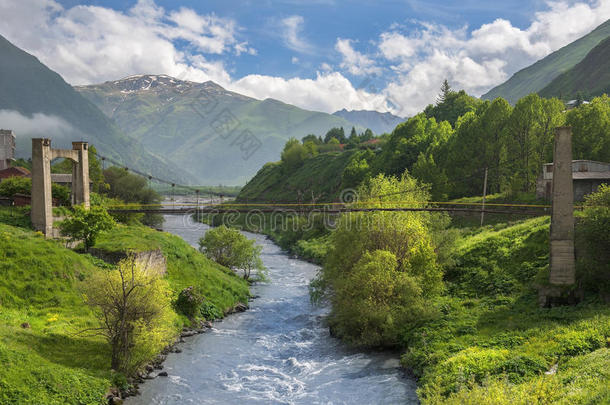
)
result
[(535, 77), (376, 121), (590, 77), (204, 127), (30, 90)]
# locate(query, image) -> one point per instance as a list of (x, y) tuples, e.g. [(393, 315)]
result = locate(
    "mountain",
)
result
[(591, 76), (378, 122), (535, 77), (217, 135), (37, 102)]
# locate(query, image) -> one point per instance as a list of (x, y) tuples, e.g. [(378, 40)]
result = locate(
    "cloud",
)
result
[(329, 92), (480, 59), (89, 44), (353, 61), (291, 30), (37, 125)]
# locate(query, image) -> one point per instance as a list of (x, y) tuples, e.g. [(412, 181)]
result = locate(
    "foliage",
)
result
[(451, 105), (209, 311), (189, 302), (229, 248), (133, 309), (293, 155), (408, 140), (186, 266), (591, 129), (23, 185), (129, 187), (132, 189), (381, 266), (336, 133), (594, 265), (86, 224)]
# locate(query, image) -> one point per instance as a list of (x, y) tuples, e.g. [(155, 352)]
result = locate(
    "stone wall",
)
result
[(150, 260)]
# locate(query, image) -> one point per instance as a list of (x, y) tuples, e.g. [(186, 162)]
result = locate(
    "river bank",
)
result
[(489, 341), (46, 356), (279, 351)]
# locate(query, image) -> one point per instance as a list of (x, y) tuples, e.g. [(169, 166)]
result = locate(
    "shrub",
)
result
[(133, 308), (209, 311), (381, 266), (189, 302), (231, 249), (86, 224)]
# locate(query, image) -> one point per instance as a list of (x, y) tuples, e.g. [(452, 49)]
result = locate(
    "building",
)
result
[(587, 176), (14, 172), (7, 148)]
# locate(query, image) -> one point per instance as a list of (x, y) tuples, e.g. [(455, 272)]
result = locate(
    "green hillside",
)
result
[(535, 77), (183, 121), (591, 76), (319, 177), (28, 87), (46, 358)]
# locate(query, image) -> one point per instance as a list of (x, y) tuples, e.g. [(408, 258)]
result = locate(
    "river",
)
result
[(277, 352)]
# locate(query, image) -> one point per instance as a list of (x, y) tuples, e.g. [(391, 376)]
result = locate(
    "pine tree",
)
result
[(445, 91)]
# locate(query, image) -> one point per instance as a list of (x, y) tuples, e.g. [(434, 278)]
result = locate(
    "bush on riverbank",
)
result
[(381, 268)]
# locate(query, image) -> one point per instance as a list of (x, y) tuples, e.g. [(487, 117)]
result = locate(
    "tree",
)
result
[(451, 106), (129, 187), (133, 308), (591, 129), (381, 266), (445, 92), (229, 248), (337, 133), (311, 148), (293, 154), (592, 234), (312, 138), (23, 185), (86, 224), (530, 139)]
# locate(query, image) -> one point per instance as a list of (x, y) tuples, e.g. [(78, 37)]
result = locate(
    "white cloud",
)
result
[(328, 92), (292, 30), (481, 59), (353, 61), (37, 125), (88, 44)]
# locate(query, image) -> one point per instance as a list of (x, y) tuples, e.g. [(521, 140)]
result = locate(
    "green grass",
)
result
[(319, 177), (47, 363), (52, 362), (186, 266), (491, 343)]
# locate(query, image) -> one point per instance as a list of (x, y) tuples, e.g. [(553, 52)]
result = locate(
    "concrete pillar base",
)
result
[(555, 296)]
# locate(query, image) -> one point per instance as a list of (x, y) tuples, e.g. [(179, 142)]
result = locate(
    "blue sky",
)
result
[(319, 54)]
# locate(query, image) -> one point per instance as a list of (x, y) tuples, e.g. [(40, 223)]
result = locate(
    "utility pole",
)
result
[(484, 195)]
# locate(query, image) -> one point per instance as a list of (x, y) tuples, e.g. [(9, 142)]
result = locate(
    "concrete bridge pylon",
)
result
[(42, 201)]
